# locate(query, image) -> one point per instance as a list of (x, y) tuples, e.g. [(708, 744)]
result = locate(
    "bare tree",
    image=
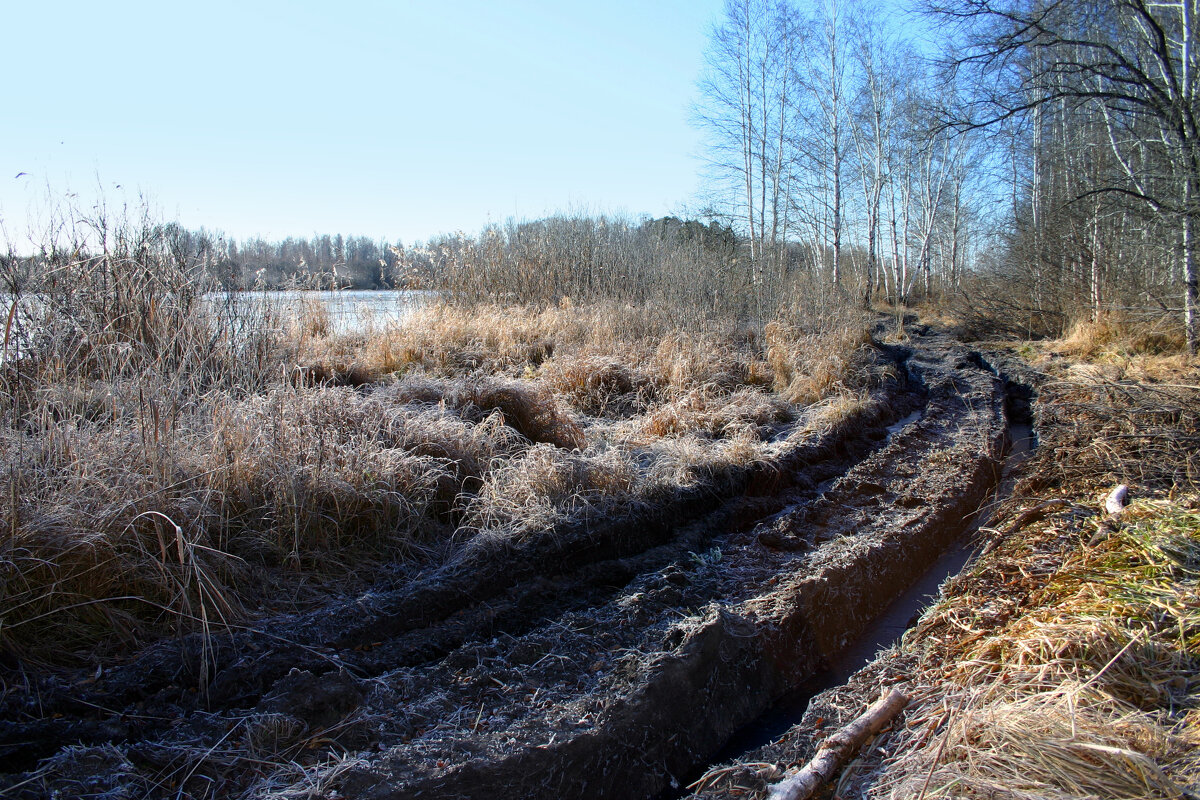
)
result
[(746, 109), (873, 120), (822, 140), (1133, 65), (826, 81)]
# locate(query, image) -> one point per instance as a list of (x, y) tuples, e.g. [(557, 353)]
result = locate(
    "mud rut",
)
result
[(594, 661)]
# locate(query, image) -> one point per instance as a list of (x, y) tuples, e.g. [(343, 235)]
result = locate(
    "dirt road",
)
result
[(590, 661)]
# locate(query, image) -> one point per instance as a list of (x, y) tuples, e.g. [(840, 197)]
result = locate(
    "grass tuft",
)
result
[(716, 416), (1092, 692), (600, 385), (808, 367), (1114, 334)]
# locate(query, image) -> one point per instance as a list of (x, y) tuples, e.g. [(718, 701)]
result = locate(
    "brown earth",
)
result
[(602, 660), (1062, 661)]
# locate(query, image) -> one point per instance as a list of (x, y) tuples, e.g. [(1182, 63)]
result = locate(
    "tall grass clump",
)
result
[(1114, 334), (108, 297), (155, 458), (239, 500), (1090, 692), (112, 343)]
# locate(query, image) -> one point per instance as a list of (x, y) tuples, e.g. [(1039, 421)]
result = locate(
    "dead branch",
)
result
[(1026, 517), (1036, 513), (835, 751)]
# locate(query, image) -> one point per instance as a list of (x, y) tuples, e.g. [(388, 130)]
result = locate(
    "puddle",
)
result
[(901, 424)]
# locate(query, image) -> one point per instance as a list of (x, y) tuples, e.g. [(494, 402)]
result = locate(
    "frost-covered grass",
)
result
[(173, 464)]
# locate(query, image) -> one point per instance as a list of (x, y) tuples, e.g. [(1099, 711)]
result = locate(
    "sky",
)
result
[(396, 120)]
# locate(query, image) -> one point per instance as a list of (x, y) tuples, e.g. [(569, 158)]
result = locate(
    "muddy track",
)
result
[(590, 661)]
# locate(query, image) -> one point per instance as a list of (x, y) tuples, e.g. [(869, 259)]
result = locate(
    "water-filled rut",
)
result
[(762, 737), (604, 661)]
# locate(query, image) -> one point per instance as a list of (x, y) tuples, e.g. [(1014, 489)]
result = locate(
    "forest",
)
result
[(1040, 163)]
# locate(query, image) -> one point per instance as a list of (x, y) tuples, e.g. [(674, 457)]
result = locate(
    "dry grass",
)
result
[(1153, 441), (1064, 665), (309, 320), (1088, 689), (600, 386), (686, 461), (1055, 745), (717, 416), (524, 406), (125, 530), (546, 485), (837, 413), (136, 509), (604, 349), (177, 460), (1114, 334), (1128, 603), (809, 367), (451, 341)]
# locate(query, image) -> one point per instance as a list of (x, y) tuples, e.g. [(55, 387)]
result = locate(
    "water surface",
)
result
[(348, 310)]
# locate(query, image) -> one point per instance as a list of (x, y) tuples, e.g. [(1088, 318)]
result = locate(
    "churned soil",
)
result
[(601, 660)]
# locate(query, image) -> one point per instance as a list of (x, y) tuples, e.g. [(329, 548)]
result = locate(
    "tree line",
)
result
[(322, 262), (1039, 163), (536, 261)]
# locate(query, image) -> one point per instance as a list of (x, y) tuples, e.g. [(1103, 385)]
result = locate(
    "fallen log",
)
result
[(835, 751)]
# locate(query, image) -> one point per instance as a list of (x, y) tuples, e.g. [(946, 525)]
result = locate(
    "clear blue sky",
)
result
[(385, 119)]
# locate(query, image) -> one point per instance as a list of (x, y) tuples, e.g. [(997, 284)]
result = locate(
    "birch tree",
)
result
[(746, 110), (872, 125), (1131, 64)]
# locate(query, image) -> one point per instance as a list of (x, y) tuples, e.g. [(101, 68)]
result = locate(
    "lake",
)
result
[(350, 310)]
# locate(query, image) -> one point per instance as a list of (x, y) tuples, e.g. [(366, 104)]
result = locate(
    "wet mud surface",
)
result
[(608, 660)]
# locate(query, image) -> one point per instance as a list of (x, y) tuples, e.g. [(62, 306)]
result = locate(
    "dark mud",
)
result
[(590, 661), (790, 731)]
